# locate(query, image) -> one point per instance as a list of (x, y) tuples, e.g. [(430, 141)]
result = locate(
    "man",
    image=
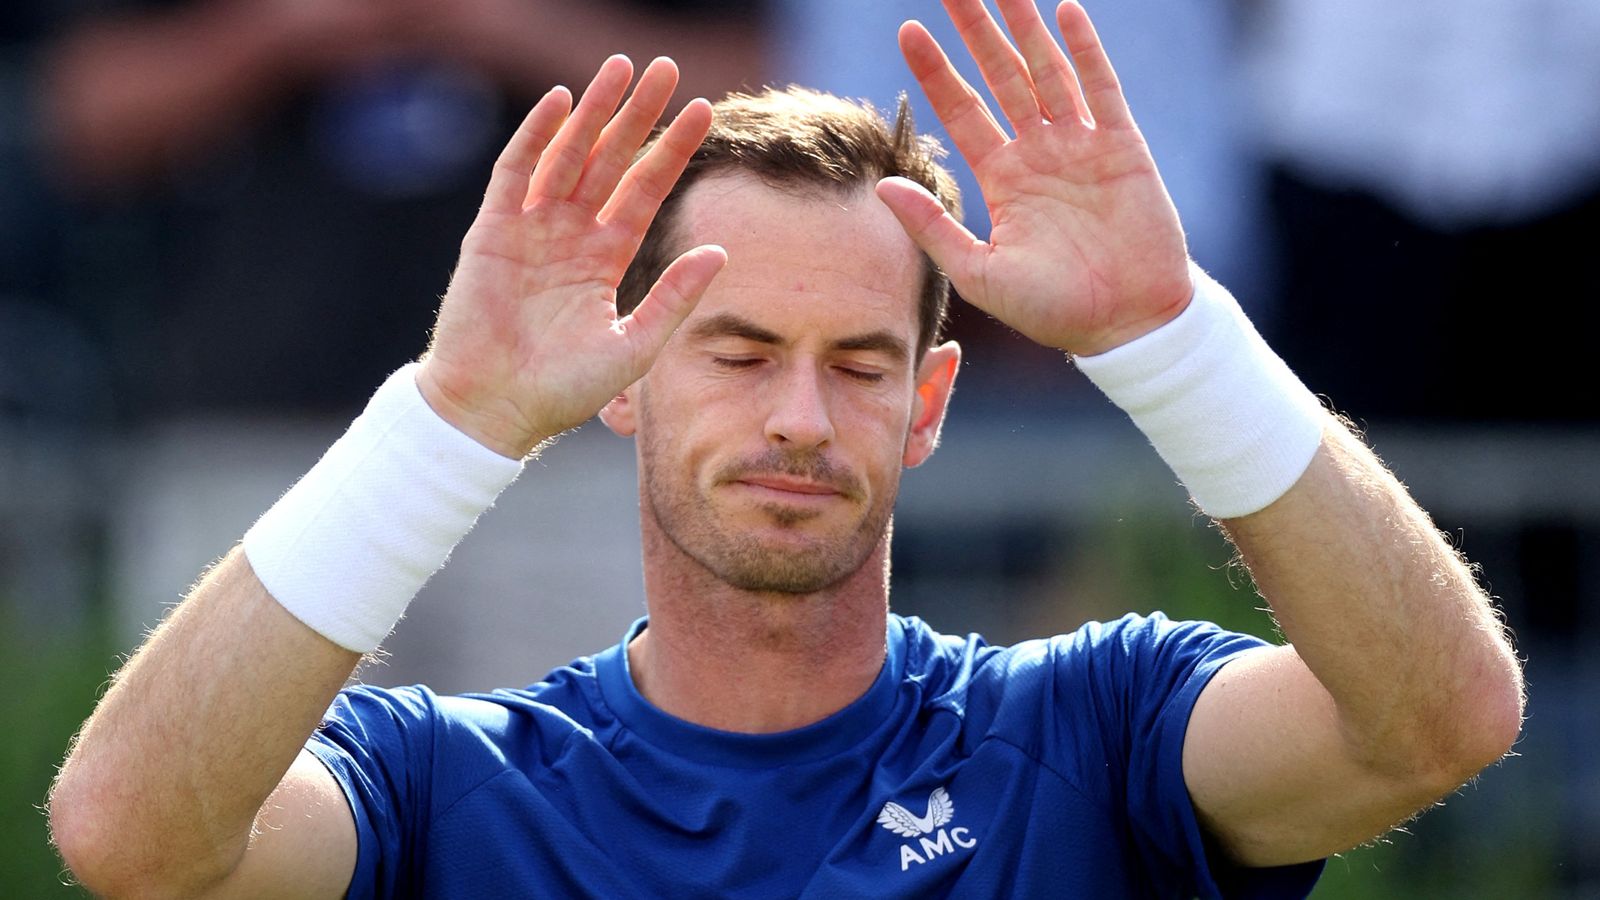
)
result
[(770, 730)]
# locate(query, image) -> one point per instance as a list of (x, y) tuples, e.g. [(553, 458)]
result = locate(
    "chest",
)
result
[(903, 824)]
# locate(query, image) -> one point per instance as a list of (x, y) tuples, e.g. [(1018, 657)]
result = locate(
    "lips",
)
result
[(789, 485), (797, 477)]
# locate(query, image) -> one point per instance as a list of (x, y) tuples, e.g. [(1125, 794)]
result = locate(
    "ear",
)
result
[(936, 378), (621, 414)]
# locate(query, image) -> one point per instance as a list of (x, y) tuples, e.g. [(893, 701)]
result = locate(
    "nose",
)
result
[(799, 415)]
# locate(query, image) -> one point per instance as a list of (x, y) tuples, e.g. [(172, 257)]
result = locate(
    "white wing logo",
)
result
[(899, 820)]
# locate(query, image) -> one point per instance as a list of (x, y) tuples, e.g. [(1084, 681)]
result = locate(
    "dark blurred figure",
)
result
[(188, 189), (1436, 190)]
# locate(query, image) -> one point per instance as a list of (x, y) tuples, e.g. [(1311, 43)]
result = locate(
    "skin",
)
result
[(769, 477), (771, 434)]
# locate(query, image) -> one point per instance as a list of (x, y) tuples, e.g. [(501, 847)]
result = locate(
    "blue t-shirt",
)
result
[(1052, 768)]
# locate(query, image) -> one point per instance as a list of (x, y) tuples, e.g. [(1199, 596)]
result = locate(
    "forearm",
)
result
[(1385, 614), (1400, 684), (166, 778), (1382, 612), (200, 726)]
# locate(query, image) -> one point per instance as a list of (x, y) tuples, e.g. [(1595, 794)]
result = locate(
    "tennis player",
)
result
[(770, 729)]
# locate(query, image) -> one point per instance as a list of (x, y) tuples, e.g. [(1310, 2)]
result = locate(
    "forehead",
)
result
[(823, 261)]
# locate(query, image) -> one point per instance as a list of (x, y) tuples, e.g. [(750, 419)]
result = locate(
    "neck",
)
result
[(751, 662)]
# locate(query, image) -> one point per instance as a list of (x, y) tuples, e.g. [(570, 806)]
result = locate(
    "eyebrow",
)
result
[(878, 341), (730, 325)]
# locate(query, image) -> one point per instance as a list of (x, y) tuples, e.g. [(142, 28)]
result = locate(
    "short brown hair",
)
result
[(793, 138)]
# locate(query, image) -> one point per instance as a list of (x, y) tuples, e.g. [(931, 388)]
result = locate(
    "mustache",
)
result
[(811, 465)]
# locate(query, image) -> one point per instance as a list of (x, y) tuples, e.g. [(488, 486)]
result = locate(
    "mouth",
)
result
[(787, 488), (796, 480)]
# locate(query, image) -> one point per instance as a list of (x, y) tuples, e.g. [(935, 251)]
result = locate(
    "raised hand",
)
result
[(1086, 252), (528, 342)]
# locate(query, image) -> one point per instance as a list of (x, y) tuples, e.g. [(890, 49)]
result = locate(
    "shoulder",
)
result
[(1131, 647), (498, 727), (1147, 644), (404, 755), (1078, 695)]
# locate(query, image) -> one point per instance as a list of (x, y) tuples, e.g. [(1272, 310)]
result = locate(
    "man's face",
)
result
[(773, 427)]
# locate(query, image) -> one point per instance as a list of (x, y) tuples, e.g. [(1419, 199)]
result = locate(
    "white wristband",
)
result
[(348, 546), (1221, 408)]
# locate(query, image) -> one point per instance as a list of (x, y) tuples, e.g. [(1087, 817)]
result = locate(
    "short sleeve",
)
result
[(378, 744), (1143, 676)]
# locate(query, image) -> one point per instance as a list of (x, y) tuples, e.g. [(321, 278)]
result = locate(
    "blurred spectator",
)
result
[(1436, 189), (254, 204)]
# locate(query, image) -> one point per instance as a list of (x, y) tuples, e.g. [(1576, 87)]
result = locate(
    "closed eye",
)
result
[(734, 363), (864, 377)]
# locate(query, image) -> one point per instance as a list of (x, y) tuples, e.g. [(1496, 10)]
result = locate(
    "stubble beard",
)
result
[(743, 560)]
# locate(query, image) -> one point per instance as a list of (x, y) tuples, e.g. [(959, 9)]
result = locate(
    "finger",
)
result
[(621, 139), (562, 164), (1101, 89), (650, 179), (965, 116), (669, 302), (508, 184), (947, 242), (1002, 66), (1052, 75)]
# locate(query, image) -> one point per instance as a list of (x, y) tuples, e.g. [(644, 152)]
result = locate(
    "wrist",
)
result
[(1166, 300), (1223, 410), (499, 433), (353, 541)]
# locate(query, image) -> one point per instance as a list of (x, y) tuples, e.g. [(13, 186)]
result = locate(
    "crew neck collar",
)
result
[(834, 734)]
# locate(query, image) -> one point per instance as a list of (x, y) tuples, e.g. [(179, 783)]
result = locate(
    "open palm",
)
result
[(1086, 251), (528, 342)]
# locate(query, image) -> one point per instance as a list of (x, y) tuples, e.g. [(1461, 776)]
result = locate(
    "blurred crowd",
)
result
[(253, 204), (226, 208)]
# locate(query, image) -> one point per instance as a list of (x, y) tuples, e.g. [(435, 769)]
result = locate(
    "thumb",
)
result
[(947, 242), (669, 302)]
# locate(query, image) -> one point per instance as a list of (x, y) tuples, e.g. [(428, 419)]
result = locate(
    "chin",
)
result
[(788, 561), (785, 574)]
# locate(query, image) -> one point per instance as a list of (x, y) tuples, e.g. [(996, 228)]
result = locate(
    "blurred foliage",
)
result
[(53, 681), (1183, 567)]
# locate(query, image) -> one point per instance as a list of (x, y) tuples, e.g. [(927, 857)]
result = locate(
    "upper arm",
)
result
[(1274, 777), (304, 841)]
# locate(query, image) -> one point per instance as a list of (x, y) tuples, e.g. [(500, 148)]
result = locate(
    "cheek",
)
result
[(890, 409), (878, 431), (694, 429)]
